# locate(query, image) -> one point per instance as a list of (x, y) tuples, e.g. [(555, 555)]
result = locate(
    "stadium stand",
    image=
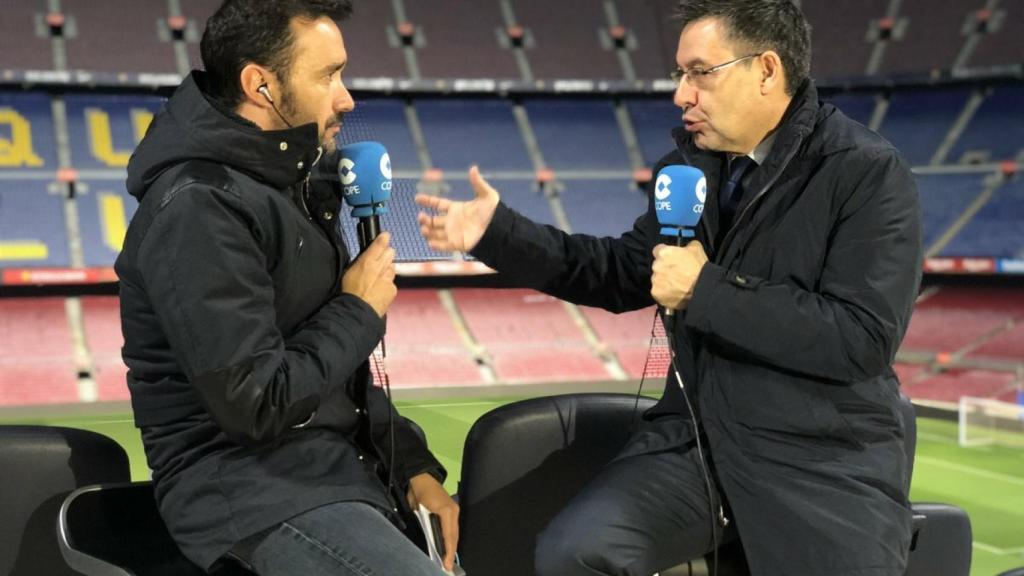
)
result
[(1004, 31), (653, 120), (951, 319), (577, 135), (602, 207), (651, 36), (997, 229), (373, 43), (461, 40), (40, 240), (932, 38), (383, 119), (566, 39), (1005, 346), (945, 198), (104, 210), (119, 36), (26, 120), (919, 119), (528, 337), (101, 318), (843, 30), (460, 133), (36, 362), (857, 105), (627, 335), (423, 346), (25, 36), (103, 130), (996, 131), (196, 12), (950, 385)]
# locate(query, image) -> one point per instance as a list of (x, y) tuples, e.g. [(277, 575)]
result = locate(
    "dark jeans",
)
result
[(640, 515), (341, 539)]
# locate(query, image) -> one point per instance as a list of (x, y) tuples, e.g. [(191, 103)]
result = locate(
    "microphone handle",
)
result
[(368, 229), (679, 242)]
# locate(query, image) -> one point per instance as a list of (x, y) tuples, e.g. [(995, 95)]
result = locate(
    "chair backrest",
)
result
[(521, 465), (909, 434), (116, 530), (40, 465)]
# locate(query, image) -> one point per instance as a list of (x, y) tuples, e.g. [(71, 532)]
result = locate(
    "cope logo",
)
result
[(661, 187), (345, 170), (385, 165)]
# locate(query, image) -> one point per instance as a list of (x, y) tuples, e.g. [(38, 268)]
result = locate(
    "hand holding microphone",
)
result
[(365, 172), (679, 195)]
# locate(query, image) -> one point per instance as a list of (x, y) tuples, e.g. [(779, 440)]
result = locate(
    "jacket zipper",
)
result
[(303, 195), (778, 174)]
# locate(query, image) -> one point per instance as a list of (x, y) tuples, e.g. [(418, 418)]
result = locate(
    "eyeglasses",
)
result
[(699, 77)]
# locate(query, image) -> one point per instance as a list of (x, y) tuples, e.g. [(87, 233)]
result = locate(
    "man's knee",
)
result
[(567, 548)]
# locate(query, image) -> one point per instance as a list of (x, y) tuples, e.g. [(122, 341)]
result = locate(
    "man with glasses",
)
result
[(791, 304)]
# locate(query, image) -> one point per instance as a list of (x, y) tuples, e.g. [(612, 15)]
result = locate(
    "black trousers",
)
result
[(642, 514)]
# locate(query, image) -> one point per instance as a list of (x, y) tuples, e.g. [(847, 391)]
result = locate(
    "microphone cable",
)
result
[(669, 324)]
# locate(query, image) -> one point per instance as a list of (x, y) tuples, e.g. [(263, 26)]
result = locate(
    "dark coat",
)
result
[(247, 365), (787, 344)]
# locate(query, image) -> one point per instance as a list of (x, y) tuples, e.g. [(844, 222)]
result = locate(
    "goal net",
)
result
[(986, 422)]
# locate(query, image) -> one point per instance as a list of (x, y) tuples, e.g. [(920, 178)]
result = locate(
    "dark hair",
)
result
[(760, 25), (256, 31)]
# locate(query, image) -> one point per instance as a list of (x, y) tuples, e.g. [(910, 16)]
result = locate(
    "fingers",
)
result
[(450, 531), (480, 186), (658, 249), (378, 248), (433, 202)]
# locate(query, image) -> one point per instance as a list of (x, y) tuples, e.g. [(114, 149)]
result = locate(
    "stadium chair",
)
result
[(941, 543), (523, 462), (116, 530), (40, 465)]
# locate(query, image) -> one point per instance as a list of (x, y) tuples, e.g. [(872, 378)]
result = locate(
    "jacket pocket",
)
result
[(785, 415)]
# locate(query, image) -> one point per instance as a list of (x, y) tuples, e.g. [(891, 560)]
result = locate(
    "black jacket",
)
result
[(247, 365), (787, 344)]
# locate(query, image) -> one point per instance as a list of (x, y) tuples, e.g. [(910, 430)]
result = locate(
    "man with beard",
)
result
[(247, 327)]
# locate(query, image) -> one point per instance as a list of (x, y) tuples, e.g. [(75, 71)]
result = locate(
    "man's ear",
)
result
[(257, 85), (773, 76)]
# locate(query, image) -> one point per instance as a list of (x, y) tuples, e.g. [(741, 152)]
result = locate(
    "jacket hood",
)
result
[(192, 127)]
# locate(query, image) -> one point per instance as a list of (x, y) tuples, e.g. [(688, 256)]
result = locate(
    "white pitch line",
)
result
[(971, 470), (997, 550), (453, 404)]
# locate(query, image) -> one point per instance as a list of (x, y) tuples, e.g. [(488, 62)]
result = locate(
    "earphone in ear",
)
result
[(266, 93)]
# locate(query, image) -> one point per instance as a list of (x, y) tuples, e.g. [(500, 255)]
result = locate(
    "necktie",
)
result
[(732, 192)]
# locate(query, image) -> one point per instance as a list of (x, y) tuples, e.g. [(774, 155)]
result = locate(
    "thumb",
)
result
[(379, 244), (480, 186)]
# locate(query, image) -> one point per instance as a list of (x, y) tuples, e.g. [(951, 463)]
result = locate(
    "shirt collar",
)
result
[(763, 149)]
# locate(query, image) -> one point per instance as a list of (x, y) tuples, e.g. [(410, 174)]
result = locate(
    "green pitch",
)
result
[(987, 482)]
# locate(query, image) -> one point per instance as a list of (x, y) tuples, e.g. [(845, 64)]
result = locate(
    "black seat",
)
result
[(522, 463), (116, 530), (41, 465), (941, 544)]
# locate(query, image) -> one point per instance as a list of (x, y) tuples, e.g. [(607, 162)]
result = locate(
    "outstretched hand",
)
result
[(458, 226)]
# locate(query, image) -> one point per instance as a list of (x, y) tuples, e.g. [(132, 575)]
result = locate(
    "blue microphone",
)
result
[(679, 194), (365, 172)]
